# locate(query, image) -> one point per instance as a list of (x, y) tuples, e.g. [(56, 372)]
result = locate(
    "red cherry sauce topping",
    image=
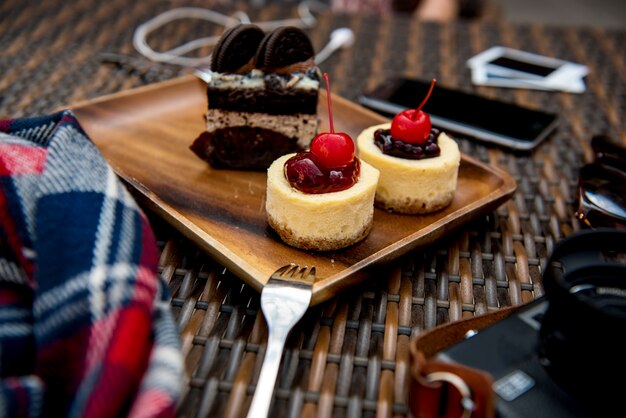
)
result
[(305, 173), (411, 134), (330, 165)]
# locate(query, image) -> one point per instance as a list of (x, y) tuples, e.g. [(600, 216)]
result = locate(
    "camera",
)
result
[(563, 354)]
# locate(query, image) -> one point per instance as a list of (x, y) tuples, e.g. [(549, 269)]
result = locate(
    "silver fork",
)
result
[(284, 301)]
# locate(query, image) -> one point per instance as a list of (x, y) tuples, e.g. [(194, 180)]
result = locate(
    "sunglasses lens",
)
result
[(602, 196)]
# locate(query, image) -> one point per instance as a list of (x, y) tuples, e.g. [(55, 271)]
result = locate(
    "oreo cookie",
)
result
[(282, 47), (236, 49)]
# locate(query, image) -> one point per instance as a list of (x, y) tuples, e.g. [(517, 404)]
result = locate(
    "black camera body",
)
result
[(509, 351), (561, 355)]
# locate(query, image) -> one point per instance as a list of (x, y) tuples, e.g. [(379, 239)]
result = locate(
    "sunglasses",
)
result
[(602, 185)]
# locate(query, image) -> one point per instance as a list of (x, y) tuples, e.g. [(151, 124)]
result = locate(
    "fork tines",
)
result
[(293, 272)]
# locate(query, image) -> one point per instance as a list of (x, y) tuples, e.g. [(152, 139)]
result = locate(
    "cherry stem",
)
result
[(330, 105), (430, 90)]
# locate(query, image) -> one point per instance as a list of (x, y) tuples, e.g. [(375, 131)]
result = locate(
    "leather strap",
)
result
[(451, 390)]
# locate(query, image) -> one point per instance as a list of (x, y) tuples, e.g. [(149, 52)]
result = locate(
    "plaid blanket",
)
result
[(85, 325)]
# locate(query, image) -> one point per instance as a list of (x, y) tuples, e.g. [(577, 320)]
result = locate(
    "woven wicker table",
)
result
[(349, 355)]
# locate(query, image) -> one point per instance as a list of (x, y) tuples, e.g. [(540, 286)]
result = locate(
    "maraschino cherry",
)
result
[(413, 125), (329, 166), (332, 149)]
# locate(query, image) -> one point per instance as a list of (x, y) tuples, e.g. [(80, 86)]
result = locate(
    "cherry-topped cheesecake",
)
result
[(322, 199), (418, 164)]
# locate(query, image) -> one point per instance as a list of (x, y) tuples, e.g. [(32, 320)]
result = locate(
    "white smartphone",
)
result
[(508, 67), (482, 77), (492, 121)]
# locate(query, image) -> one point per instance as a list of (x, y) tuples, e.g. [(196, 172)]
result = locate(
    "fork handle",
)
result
[(262, 399)]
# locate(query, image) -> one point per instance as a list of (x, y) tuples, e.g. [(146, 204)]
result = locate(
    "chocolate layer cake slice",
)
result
[(262, 100)]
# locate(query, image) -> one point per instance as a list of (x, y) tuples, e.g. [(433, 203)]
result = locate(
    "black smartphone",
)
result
[(481, 118)]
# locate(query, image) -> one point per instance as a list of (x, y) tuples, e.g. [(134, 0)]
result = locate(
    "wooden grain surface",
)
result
[(145, 135)]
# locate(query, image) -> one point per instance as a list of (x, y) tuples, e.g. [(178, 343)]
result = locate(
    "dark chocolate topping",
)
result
[(236, 48), (282, 47)]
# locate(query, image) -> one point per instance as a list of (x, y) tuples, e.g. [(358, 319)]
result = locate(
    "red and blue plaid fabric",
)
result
[(85, 324)]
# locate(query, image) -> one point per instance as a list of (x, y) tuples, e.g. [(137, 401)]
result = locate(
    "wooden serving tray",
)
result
[(145, 134)]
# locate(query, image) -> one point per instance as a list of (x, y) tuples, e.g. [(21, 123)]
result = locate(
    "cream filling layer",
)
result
[(301, 126), (255, 80)]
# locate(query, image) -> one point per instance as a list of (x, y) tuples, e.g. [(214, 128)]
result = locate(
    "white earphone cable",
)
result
[(176, 55), (339, 38)]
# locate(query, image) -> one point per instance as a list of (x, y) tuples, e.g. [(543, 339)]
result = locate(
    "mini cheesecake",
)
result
[(324, 221), (412, 186)]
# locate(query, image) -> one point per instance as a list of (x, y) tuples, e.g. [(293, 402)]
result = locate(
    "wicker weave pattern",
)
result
[(349, 356)]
